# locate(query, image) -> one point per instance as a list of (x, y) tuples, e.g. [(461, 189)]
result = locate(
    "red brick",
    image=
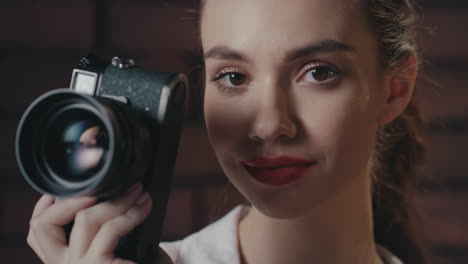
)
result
[(165, 34), (54, 24), (444, 217), (443, 202), (17, 205), (443, 93), (446, 160), (7, 151), (22, 254), (24, 79), (442, 33)]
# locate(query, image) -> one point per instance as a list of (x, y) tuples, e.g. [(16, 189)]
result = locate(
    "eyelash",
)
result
[(216, 79), (332, 73)]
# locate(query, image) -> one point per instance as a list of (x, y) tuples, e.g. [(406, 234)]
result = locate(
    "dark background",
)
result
[(42, 41)]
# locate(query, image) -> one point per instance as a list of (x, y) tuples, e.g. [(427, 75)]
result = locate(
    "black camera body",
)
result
[(117, 125)]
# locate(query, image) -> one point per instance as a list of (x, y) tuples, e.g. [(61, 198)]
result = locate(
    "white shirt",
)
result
[(218, 243)]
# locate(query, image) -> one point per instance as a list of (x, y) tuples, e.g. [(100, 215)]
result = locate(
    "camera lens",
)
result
[(70, 144), (75, 145)]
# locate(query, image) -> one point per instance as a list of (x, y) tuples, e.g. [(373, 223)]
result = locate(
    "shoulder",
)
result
[(216, 243)]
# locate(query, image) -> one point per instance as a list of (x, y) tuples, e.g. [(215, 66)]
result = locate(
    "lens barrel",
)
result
[(71, 144)]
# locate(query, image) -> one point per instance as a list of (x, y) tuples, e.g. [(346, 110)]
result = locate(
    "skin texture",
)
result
[(261, 100), (277, 107), (96, 230)]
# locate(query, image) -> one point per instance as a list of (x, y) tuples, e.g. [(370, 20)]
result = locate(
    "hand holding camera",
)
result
[(96, 230), (117, 125)]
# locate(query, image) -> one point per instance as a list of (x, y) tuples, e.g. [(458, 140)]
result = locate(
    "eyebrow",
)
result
[(323, 46), (225, 53)]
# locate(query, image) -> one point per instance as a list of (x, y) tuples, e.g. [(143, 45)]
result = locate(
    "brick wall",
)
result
[(443, 90), (41, 41)]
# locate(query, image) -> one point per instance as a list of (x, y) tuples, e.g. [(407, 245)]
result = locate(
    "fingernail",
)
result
[(133, 187), (142, 198)]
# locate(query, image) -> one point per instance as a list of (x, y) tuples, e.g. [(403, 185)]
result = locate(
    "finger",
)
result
[(46, 227), (107, 238), (63, 212), (122, 261), (88, 222), (33, 244), (43, 203)]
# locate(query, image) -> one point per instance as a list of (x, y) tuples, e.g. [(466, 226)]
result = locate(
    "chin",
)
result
[(278, 210), (288, 202), (292, 201)]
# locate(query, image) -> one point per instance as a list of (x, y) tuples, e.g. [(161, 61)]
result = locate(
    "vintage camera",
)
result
[(117, 125)]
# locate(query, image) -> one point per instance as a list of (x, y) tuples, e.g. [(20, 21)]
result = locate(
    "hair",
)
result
[(399, 149), (400, 144)]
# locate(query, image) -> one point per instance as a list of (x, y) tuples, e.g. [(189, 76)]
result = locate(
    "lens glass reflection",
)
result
[(76, 146)]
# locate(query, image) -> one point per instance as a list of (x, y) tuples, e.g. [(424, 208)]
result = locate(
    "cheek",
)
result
[(225, 120), (342, 129), (227, 123)]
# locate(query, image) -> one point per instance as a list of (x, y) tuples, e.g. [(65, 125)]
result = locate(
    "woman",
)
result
[(308, 106)]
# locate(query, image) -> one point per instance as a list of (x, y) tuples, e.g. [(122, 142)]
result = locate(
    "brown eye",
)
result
[(236, 79), (321, 74), (231, 80)]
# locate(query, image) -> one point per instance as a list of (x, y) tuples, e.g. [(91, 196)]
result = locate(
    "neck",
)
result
[(339, 230)]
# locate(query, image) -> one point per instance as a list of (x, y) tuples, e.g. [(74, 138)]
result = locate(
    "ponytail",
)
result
[(399, 152)]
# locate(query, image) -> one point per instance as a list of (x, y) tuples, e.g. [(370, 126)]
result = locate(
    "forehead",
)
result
[(268, 24)]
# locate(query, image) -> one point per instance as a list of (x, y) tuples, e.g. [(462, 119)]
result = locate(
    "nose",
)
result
[(273, 119)]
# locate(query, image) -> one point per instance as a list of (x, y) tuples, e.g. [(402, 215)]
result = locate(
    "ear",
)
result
[(399, 88)]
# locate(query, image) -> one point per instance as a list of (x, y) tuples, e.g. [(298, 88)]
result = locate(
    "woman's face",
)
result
[(298, 79)]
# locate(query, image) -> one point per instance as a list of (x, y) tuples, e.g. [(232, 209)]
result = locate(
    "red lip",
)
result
[(279, 170)]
